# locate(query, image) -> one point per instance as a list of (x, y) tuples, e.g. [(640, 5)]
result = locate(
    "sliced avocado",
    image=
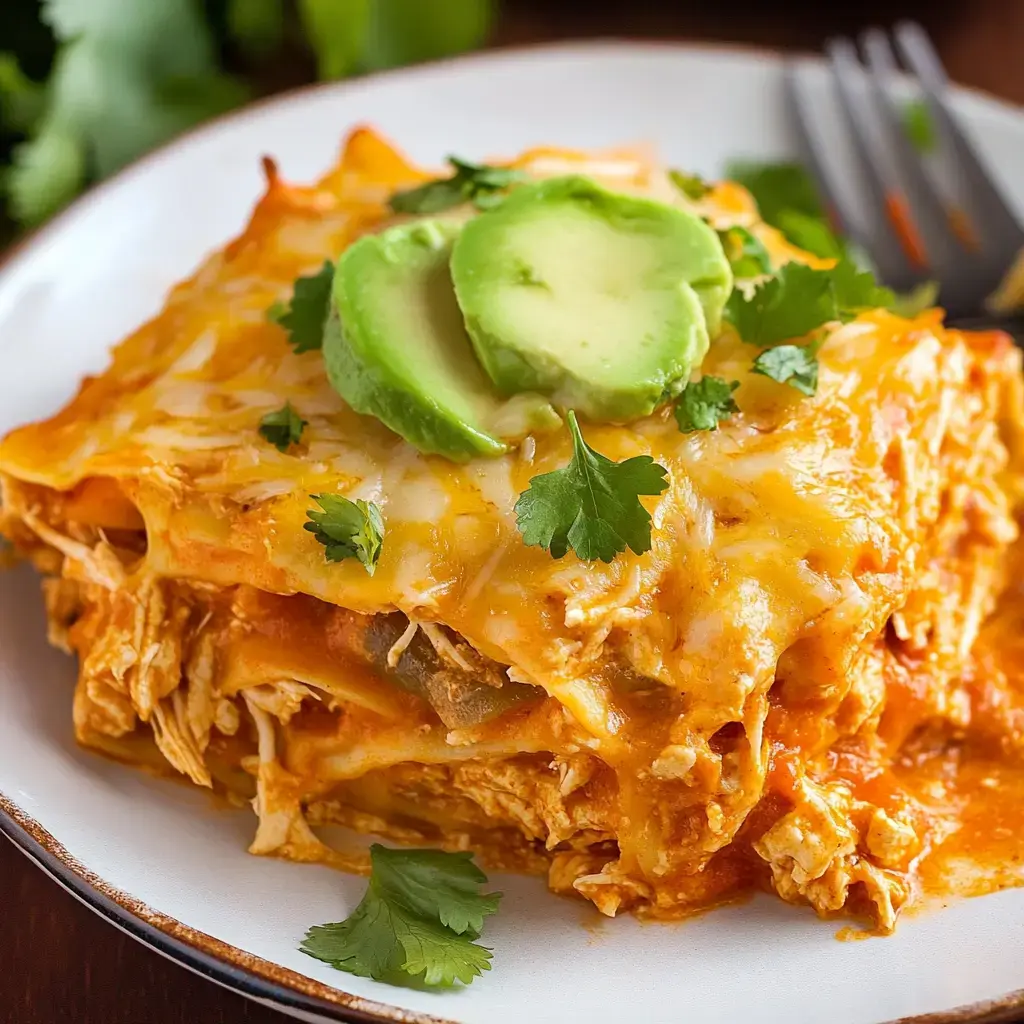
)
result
[(604, 301), (395, 347)]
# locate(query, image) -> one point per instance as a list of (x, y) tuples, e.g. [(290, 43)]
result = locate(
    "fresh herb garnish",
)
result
[(787, 199), (420, 917), (919, 126), (476, 183), (282, 428), (347, 529), (745, 252), (693, 186), (796, 365), (303, 317), (123, 79), (592, 505), (777, 187), (704, 403), (799, 299), (812, 234)]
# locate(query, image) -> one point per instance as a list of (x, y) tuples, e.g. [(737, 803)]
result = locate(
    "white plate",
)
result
[(156, 857)]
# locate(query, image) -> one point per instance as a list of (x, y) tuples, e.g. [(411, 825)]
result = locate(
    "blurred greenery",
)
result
[(87, 86)]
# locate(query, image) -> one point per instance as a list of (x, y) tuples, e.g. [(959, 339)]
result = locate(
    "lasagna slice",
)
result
[(746, 704)]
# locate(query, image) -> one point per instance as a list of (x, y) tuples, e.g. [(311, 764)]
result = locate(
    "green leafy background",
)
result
[(86, 86)]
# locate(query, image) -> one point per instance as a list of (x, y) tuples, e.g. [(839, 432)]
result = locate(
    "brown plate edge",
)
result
[(257, 978), (205, 955)]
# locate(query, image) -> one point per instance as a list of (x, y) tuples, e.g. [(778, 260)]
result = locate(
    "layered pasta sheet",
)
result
[(740, 706)]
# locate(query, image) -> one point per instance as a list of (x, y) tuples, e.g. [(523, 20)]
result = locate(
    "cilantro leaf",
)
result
[(365, 943), (788, 200), (789, 305), (703, 404), (484, 176), (282, 428), (433, 197), (777, 187), (796, 365), (477, 183), (919, 126), (693, 186), (799, 299), (856, 290), (347, 529), (434, 884), (592, 505), (384, 941), (305, 314), (812, 234), (419, 918), (746, 253)]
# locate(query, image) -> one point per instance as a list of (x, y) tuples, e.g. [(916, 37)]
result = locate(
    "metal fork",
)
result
[(911, 232)]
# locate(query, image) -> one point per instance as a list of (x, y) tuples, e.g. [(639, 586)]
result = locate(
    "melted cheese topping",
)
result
[(813, 560)]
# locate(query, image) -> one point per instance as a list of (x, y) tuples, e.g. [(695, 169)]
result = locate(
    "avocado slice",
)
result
[(604, 301), (395, 347)]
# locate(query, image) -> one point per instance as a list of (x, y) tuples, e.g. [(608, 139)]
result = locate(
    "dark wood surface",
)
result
[(59, 961)]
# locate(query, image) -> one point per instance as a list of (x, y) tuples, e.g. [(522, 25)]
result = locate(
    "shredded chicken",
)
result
[(282, 826), (98, 564), (173, 735)]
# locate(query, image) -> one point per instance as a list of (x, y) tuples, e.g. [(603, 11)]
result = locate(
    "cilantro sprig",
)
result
[(124, 79), (419, 920), (800, 299), (746, 253), (592, 505), (796, 365), (812, 234), (794, 303), (788, 200), (477, 183), (304, 315), (282, 428), (347, 529), (704, 403)]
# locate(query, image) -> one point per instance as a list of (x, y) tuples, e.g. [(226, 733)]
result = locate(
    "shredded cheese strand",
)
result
[(398, 648)]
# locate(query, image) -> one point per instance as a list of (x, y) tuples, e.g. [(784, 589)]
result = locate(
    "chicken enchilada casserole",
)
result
[(557, 510)]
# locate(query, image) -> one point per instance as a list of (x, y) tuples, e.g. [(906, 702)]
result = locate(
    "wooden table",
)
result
[(60, 962)]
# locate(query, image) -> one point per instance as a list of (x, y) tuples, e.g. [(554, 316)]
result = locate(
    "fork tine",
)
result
[(880, 239), (827, 182), (927, 212), (999, 232)]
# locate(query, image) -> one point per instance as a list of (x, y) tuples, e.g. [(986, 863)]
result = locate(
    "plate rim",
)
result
[(257, 978), (213, 959), (219, 961)]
